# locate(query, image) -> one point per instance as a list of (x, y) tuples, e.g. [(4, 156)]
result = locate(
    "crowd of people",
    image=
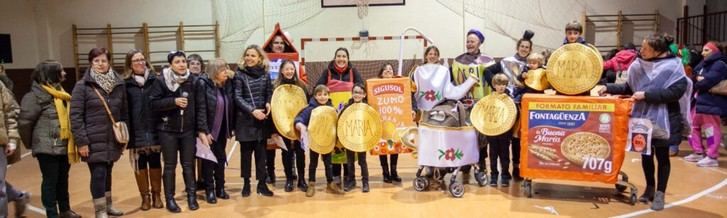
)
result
[(168, 114)]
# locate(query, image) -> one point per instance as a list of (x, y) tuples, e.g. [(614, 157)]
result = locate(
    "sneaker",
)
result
[(334, 188), (658, 203), (505, 182), (694, 157), (708, 162), (673, 150), (311, 190), (493, 181)]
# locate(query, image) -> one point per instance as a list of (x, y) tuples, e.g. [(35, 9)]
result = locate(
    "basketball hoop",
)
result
[(363, 8)]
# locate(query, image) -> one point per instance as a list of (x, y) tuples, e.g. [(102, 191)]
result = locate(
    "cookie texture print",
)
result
[(574, 138), (558, 127)]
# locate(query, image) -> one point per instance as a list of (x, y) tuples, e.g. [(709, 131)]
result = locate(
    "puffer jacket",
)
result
[(714, 70), (38, 123), (207, 106), (621, 61), (253, 90), (303, 116), (142, 119), (9, 125), (90, 123)]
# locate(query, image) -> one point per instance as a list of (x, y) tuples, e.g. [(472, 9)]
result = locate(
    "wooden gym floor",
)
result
[(692, 192)]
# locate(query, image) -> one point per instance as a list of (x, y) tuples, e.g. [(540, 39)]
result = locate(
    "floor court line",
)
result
[(680, 202)]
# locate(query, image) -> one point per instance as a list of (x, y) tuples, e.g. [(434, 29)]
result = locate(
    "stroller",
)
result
[(445, 143)]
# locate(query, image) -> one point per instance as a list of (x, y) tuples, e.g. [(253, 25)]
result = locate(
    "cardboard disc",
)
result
[(494, 114), (287, 101), (359, 127), (574, 68), (322, 129), (537, 80)]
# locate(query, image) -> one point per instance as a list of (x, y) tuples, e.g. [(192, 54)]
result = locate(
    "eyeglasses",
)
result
[(100, 61), (138, 61)]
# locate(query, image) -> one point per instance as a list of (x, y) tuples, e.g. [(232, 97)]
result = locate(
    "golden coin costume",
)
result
[(287, 101), (574, 68)]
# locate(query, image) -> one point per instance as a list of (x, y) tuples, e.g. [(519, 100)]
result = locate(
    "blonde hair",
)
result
[(217, 66), (264, 63), (536, 57), (500, 79)]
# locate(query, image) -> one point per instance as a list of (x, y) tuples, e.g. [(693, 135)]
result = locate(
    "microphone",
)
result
[(184, 95)]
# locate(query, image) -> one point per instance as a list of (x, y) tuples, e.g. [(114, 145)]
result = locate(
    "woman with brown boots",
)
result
[(143, 143)]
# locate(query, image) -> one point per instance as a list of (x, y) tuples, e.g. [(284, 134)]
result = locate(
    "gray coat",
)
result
[(38, 123)]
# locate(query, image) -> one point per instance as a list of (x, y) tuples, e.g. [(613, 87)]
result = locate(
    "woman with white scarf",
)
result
[(172, 98)]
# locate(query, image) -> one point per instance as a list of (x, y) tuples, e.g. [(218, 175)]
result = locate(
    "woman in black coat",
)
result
[(214, 118), (661, 91), (173, 99), (253, 91), (143, 141), (92, 127)]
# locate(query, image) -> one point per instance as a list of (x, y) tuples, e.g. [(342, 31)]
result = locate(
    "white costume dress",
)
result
[(440, 146), (434, 86)]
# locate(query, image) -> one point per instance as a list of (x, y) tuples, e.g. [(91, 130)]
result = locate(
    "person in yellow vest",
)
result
[(474, 63)]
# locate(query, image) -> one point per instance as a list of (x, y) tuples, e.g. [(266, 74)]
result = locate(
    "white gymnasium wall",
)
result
[(18, 20), (126, 13), (42, 28)]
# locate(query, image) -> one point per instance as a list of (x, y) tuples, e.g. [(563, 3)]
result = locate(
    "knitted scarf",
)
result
[(107, 80), (61, 100), (172, 80)]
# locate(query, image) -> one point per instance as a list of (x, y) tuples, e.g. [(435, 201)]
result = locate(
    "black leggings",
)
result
[(270, 155), (54, 187), (100, 178), (149, 160), (214, 173), (313, 165), (258, 147), (295, 155), (350, 158), (647, 163)]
